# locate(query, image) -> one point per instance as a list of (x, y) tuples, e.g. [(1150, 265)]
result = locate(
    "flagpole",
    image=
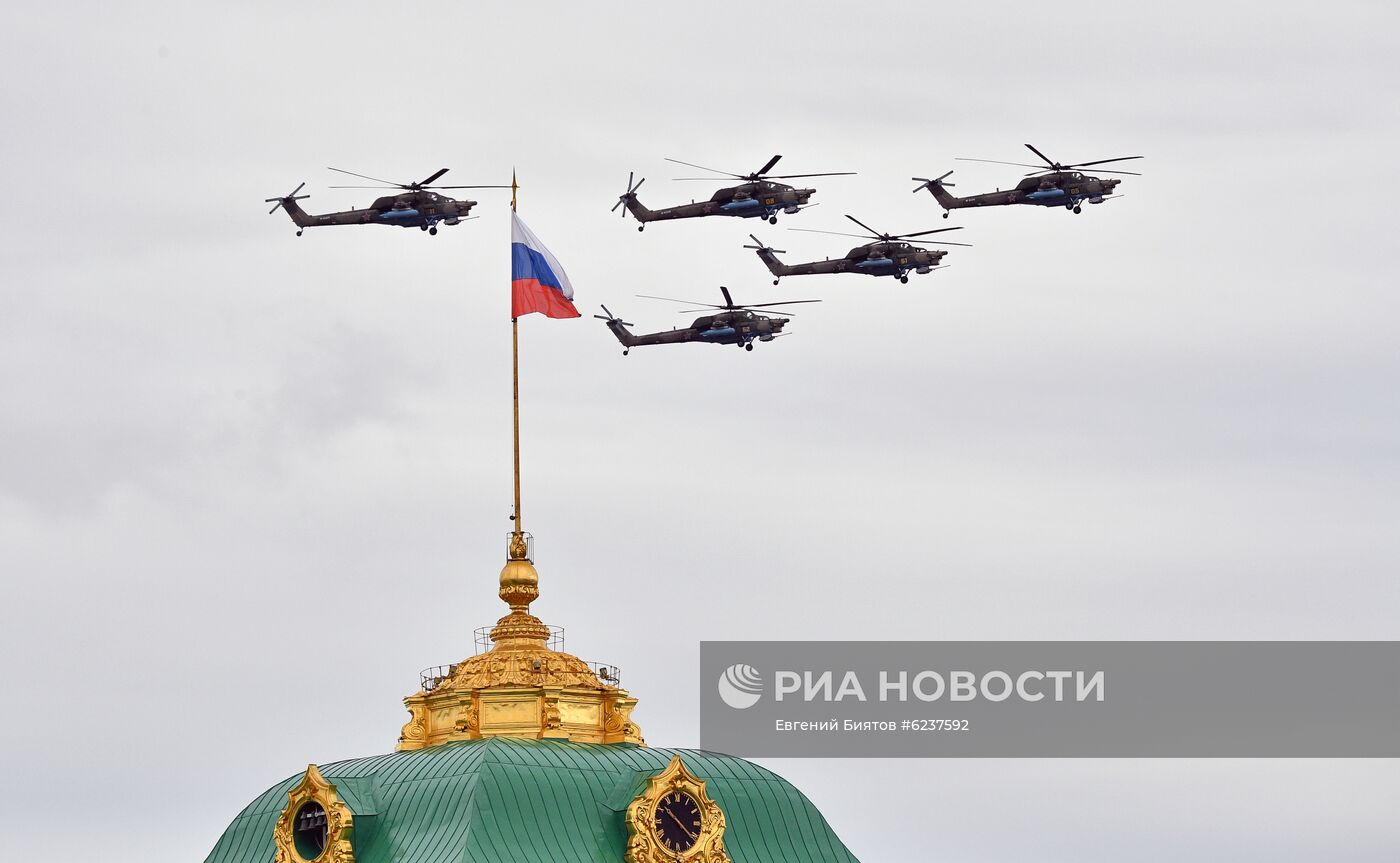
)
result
[(518, 549)]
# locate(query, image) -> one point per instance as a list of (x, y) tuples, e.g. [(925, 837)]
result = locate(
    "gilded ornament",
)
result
[(340, 822), (645, 842), (520, 687)]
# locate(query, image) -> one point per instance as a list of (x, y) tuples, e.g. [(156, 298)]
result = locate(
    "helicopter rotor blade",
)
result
[(366, 187), (432, 177), (674, 300), (728, 300), (784, 303), (833, 233), (799, 176), (997, 162), (464, 187), (712, 309), (365, 177), (867, 227), (768, 166), (1098, 171), (924, 233), (1053, 164), (1103, 161), (703, 168), (274, 206)]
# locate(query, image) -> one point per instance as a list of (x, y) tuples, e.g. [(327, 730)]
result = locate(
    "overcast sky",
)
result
[(251, 483)]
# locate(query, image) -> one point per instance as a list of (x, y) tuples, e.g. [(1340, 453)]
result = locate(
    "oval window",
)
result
[(309, 830)]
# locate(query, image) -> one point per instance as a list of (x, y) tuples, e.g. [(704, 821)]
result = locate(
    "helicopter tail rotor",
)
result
[(630, 193), (925, 183), (618, 327), (762, 248), (286, 199), (612, 319)]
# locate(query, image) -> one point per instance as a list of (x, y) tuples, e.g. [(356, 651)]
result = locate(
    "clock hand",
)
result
[(680, 825)]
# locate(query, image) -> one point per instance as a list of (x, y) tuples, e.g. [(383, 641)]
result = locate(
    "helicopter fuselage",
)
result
[(723, 328), (1066, 189), (421, 209), (762, 199), (882, 258)]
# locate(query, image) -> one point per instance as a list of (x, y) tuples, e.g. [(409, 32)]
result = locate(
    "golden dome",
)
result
[(521, 686)]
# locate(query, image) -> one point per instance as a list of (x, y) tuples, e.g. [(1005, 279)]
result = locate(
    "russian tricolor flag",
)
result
[(537, 282)]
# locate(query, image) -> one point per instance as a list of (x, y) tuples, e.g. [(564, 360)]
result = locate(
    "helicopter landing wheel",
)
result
[(641, 227), (624, 353), (1076, 209), (904, 280), (298, 232), (945, 214), (432, 231), (775, 281), (772, 220), (748, 346)]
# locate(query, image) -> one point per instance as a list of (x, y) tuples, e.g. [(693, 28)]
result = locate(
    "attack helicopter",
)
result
[(888, 255), (414, 207), (1053, 186), (755, 196), (731, 325)]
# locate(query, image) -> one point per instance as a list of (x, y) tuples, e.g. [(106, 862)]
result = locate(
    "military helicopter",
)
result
[(414, 207), (889, 255), (731, 325), (755, 196), (1054, 186)]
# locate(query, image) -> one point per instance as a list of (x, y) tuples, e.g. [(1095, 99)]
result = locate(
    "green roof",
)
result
[(503, 800)]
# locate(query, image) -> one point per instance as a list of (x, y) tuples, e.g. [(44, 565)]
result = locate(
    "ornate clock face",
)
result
[(677, 821)]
